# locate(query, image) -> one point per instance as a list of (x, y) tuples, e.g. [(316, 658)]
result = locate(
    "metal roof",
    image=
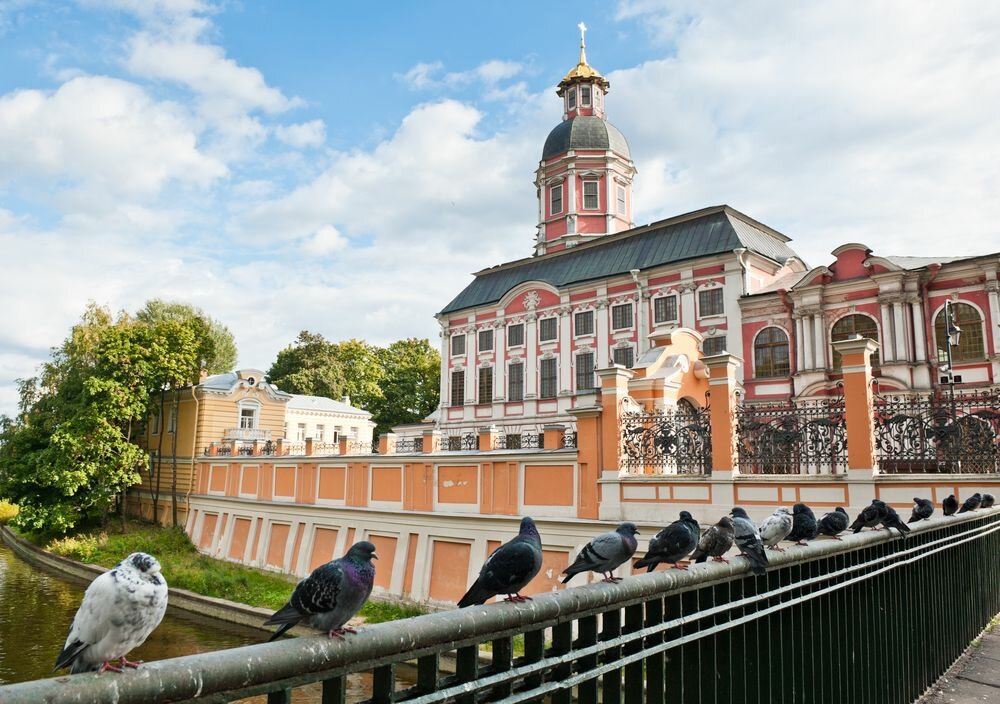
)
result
[(704, 233), (585, 132), (301, 402)]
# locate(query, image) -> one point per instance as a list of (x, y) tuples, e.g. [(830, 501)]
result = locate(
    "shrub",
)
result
[(7, 511)]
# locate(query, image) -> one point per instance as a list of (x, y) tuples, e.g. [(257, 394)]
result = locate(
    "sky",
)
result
[(344, 167)]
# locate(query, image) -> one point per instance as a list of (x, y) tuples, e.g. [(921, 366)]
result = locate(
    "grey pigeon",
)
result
[(988, 501), (870, 516), (776, 528), (119, 610), (715, 542), (922, 509), (891, 519), (672, 544), (804, 526), (748, 541), (330, 596), (834, 523), (971, 503), (509, 569), (605, 553), (950, 505)]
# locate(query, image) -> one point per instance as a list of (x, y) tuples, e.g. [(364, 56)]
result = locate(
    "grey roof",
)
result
[(585, 132), (703, 233), (301, 402), (223, 382), (785, 281), (921, 262)]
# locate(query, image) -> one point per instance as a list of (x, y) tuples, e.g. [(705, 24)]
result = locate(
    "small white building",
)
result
[(326, 420)]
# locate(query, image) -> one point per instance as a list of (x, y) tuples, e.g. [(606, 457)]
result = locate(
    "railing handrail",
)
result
[(303, 660)]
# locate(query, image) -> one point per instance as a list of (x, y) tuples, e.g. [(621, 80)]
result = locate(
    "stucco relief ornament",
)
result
[(531, 300)]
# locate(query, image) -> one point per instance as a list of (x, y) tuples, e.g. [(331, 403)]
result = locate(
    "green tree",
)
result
[(216, 345), (309, 366), (411, 384)]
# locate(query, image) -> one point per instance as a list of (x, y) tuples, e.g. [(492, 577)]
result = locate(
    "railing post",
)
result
[(487, 438), (721, 412), (614, 388), (432, 442), (213, 450), (859, 409), (310, 445), (387, 444), (255, 448), (552, 438), (343, 446), (279, 447)]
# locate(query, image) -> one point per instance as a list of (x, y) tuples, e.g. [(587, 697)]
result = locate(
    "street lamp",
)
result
[(952, 334)]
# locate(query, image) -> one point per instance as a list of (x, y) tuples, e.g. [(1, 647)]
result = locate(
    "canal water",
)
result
[(37, 608)]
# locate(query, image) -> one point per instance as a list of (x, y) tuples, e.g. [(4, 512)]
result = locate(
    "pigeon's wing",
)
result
[(93, 619), (512, 564), (315, 594), (709, 543), (770, 528)]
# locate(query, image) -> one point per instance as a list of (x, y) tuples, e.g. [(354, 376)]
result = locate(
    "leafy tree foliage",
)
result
[(216, 345), (411, 386)]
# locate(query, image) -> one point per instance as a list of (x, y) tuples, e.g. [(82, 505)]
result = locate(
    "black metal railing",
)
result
[(937, 433), (407, 445), (520, 441), (569, 440), (362, 447), (674, 440), (802, 437), (831, 622)]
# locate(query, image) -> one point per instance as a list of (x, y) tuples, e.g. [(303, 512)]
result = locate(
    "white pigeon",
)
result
[(119, 610), (776, 528)]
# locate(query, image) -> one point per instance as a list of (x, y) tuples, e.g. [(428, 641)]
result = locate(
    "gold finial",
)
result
[(583, 45), (582, 71)]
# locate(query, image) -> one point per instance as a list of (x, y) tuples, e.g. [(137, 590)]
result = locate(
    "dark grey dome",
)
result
[(584, 132)]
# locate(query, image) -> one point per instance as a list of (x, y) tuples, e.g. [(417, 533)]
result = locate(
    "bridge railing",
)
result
[(870, 619)]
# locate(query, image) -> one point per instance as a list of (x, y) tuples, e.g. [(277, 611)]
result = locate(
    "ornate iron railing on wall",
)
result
[(520, 441), (802, 437), (569, 440), (408, 445), (935, 433), (675, 440)]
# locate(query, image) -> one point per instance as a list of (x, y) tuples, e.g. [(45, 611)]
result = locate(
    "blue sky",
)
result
[(342, 167)]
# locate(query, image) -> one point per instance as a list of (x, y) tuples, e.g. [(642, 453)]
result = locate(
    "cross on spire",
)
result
[(583, 31)]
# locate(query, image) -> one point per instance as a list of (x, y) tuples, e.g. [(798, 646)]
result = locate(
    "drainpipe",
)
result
[(194, 449), (934, 269), (793, 343)]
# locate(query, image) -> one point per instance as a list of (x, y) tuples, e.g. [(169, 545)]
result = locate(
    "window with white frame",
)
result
[(665, 309), (320, 432), (621, 200), (485, 384), (485, 340), (549, 378), (583, 323), (571, 99), (457, 345), (624, 356), (248, 416), (354, 432), (548, 329), (172, 419), (300, 432), (713, 345), (458, 388), (515, 382), (585, 371), (555, 199), (621, 316), (591, 200), (515, 335), (585, 96), (710, 302)]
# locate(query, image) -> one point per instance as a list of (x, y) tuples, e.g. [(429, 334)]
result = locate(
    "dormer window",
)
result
[(590, 199), (585, 96), (556, 204), (571, 99)]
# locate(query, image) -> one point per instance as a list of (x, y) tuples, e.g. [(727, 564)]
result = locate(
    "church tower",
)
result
[(584, 180)]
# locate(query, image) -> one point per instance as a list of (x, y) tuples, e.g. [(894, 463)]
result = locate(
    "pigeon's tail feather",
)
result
[(477, 594), (758, 562), (70, 654), (286, 614), (699, 556), (281, 631), (649, 561), (572, 571), (913, 518)]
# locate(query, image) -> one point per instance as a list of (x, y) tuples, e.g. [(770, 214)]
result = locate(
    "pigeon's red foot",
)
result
[(611, 579), (125, 662), (108, 666), (837, 537), (775, 548), (340, 632), (801, 542), (720, 559), (679, 566), (517, 598)]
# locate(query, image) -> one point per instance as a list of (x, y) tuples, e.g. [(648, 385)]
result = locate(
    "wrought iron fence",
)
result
[(569, 440), (675, 440), (801, 437), (294, 447), (938, 433), (245, 449), (520, 441), (405, 445), (852, 621)]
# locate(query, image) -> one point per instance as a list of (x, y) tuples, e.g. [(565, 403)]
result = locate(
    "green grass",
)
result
[(7, 511)]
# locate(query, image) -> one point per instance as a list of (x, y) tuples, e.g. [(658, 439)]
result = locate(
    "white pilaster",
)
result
[(565, 362), (808, 346), (642, 322), (687, 306), (603, 325), (445, 375), (899, 331), (993, 290), (819, 342), (888, 350), (499, 361), (919, 342), (471, 371), (800, 361), (530, 355)]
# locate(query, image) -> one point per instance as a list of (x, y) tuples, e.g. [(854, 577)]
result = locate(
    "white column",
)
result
[(445, 372), (642, 323), (570, 194), (888, 351), (603, 324), (499, 362), (919, 341), (800, 361), (993, 290), (565, 352), (471, 372), (530, 355), (819, 339), (687, 306), (899, 331), (808, 347)]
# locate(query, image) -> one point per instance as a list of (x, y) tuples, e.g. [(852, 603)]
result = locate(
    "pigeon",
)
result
[(804, 526), (988, 501), (971, 503), (509, 569), (715, 542), (891, 519), (748, 541), (870, 516), (605, 553), (949, 505), (776, 527), (672, 544), (834, 523), (119, 610), (922, 509), (331, 595)]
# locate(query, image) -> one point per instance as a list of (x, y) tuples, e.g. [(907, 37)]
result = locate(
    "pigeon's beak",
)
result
[(638, 533), (374, 556)]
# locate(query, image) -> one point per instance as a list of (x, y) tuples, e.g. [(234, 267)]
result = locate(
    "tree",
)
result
[(308, 366), (411, 385), (216, 345)]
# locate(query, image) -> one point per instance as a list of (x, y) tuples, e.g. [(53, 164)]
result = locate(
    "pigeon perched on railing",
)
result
[(971, 503), (988, 501), (834, 523), (870, 516), (892, 519), (119, 610), (330, 596), (672, 544), (605, 553), (922, 509), (804, 526), (509, 568), (748, 541), (776, 528), (950, 505), (715, 542)]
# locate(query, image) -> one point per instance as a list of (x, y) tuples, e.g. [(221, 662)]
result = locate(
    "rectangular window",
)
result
[(172, 420), (485, 384), (621, 316), (457, 345), (354, 432), (585, 96), (555, 197), (458, 388), (515, 382), (590, 199), (548, 329), (665, 309), (571, 99), (515, 335), (710, 302), (156, 423), (624, 356), (583, 323), (320, 432), (300, 432), (621, 200), (714, 345), (485, 340), (548, 378), (248, 418), (585, 371)]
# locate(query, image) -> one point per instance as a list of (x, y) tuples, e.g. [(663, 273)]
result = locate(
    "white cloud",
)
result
[(302, 135), (325, 240), (422, 75), (489, 73)]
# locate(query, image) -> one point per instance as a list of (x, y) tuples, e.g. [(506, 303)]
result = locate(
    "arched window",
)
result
[(849, 326), (770, 353), (971, 345)]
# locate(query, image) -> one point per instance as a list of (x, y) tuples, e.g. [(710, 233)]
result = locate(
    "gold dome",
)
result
[(582, 71)]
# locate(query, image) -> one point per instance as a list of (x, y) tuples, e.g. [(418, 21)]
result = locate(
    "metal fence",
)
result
[(853, 621), (672, 441), (408, 445), (937, 433), (801, 437)]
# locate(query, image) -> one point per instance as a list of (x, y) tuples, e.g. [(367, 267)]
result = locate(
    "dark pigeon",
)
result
[(988, 501), (748, 541), (971, 503), (834, 523), (605, 553), (892, 519), (950, 505), (715, 542), (330, 596), (672, 544), (804, 526), (870, 516), (922, 509), (509, 569)]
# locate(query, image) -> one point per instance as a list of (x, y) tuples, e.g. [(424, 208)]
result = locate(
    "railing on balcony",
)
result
[(676, 440), (520, 441), (852, 621), (466, 442), (247, 434), (409, 445), (802, 437), (362, 447), (293, 447), (932, 433)]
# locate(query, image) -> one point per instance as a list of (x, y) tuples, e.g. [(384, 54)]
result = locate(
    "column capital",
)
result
[(719, 364)]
